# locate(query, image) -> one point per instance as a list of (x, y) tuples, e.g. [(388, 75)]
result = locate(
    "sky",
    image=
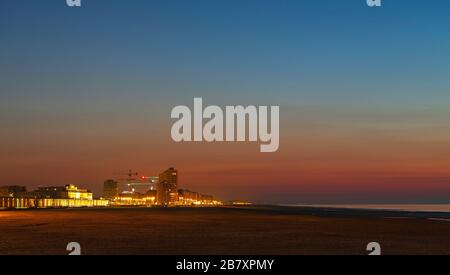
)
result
[(364, 95)]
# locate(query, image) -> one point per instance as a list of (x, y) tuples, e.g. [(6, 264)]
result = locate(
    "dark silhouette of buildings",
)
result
[(110, 189)]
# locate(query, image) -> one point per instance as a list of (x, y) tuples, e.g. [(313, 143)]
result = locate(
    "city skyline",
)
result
[(363, 95), (160, 191)]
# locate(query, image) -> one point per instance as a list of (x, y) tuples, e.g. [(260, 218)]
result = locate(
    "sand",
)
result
[(219, 231)]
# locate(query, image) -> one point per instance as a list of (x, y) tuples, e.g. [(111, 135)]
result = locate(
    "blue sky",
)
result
[(288, 51)]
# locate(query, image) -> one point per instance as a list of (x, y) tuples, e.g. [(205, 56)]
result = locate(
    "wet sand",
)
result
[(245, 231)]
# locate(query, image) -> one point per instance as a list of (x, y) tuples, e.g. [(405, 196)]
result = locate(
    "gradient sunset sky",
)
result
[(364, 95)]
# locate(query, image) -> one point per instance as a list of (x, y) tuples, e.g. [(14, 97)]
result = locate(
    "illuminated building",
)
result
[(70, 203), (67, 192), (48, 197), (188, 198), (110, 189), (167, 193), (134, 199), (17, 203), (207, 199), (70, 196)]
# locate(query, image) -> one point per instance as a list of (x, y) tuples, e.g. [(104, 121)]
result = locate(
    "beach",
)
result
[(264, 230)]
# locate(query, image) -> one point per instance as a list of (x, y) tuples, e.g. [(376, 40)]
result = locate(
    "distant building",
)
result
[(189, 198), (67, 192), (110, 189), (207, 199), (16, 197), (135, 199), (151, 193), (70, 196), (167, 192), (12, 191), (48, 197)]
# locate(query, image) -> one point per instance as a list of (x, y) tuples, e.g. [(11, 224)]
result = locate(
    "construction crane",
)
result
[(133, 181), (131, 176)]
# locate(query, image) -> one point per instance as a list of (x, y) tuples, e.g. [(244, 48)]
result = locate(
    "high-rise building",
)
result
[(110, 189), (167, 187)]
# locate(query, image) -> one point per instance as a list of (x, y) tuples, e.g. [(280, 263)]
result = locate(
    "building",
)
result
[(152, 193), (48, 197), (17, 203), (70, 196), (135, 199), (70, 203), (167, 192), (67, 192), (189, 198), (12, 191), (207, 199), (110, 189), (16, 197)]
